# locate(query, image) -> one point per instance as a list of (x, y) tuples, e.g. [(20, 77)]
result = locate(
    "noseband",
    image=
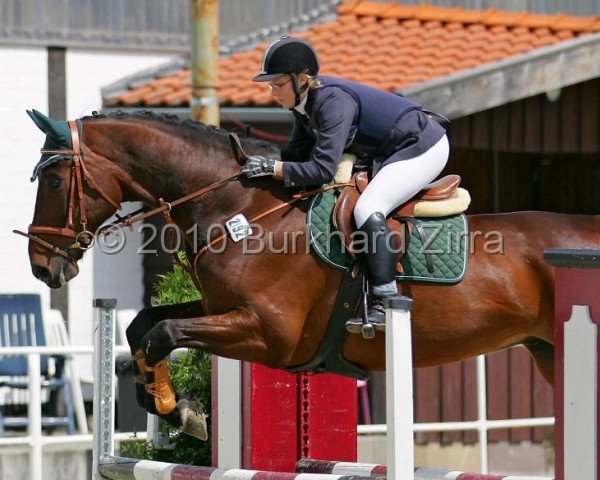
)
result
[(82, 239)]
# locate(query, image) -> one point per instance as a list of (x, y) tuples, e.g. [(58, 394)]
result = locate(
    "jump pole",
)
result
[(399, 388), (104, 387)]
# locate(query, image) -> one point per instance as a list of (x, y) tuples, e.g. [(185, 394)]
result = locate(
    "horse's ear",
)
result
[(35, 120), (56, 129), (236, 145)]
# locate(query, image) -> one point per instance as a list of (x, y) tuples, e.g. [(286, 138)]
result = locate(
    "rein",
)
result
[(85, 239), (165, 207)]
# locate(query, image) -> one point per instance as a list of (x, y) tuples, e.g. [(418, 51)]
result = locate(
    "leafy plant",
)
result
[(190, 374)]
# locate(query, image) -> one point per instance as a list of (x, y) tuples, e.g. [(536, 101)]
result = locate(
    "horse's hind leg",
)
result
[(145, 321), (543, 355)]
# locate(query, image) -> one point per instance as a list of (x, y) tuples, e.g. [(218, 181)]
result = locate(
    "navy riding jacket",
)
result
[(343, 116)]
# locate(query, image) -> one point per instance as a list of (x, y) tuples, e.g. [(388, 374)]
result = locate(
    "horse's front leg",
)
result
[(145, 321), (236, 334)]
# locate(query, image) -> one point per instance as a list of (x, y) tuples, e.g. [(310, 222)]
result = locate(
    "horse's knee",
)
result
[(159, 342)]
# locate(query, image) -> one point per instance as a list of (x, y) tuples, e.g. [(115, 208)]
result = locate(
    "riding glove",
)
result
[(258, 166)]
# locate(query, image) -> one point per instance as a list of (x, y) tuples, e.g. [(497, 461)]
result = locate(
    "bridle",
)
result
[(83, 239)]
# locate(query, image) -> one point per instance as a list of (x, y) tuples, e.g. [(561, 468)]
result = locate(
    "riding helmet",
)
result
[(287, 55)]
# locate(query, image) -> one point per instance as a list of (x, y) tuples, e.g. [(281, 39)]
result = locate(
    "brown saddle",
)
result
[(400, 220)]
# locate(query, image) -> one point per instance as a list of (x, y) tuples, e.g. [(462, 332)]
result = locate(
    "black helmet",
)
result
[(287, 55)]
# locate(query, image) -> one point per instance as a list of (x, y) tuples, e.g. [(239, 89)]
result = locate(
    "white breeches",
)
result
[(399, 181)]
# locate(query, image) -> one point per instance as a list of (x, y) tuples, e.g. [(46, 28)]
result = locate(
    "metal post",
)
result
[(204, 31), (104, 386), (399, 389)]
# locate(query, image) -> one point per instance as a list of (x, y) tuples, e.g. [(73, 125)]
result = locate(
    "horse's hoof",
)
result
[(187, 417), (193, 421)]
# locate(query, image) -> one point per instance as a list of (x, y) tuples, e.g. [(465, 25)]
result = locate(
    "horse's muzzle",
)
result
[(59, 277)]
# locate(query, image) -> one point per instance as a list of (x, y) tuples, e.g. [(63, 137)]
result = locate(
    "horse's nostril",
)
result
[(41, 273)]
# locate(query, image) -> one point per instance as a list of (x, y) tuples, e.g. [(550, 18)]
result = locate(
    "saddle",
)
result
[(441, 198)]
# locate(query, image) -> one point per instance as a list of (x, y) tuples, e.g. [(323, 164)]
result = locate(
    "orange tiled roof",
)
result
[(387, 45)]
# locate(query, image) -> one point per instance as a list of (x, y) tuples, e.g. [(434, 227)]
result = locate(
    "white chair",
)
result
[(56, 335)]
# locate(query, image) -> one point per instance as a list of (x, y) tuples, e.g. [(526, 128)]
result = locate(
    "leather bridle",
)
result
[(83, 239)]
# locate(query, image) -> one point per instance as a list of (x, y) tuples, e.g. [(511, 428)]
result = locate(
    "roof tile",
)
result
[(388, 45)]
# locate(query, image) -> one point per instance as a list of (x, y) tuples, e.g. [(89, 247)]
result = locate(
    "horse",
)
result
[(271, 307)]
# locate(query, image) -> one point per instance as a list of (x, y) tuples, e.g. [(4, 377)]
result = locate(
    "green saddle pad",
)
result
[(446, 241)]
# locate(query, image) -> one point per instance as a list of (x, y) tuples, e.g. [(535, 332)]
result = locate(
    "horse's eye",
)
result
[(53, 182)]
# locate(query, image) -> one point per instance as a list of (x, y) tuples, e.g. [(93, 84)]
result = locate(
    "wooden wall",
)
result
[(571, 124), (534, 154)]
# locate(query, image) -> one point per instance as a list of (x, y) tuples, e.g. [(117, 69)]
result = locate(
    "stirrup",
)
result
[(367, 324)]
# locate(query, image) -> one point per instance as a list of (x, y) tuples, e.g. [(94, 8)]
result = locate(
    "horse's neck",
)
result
[(159, 165)]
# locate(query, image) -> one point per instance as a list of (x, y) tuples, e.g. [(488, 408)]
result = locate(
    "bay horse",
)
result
[(271, 307)]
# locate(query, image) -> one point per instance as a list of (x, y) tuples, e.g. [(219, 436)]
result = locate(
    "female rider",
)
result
[(333, 116)]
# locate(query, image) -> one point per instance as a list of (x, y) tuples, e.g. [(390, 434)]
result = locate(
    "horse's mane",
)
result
[(174, 120)]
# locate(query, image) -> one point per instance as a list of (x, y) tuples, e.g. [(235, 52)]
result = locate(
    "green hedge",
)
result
[(190, 374)]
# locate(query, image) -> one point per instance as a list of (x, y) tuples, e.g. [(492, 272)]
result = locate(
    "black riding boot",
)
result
[(380, 261)]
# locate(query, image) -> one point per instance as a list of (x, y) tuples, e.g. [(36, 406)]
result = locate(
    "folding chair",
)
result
[(21, 325)]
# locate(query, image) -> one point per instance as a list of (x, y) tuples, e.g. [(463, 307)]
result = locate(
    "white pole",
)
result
[(482, 428), (35, 416), (104, 386), (228, 412), (580, 395), (399, 389)]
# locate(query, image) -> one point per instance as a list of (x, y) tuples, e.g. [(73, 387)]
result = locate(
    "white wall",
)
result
[(23, 83)]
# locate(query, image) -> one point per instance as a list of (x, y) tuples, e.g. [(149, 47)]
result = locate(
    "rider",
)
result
[(332, 116)]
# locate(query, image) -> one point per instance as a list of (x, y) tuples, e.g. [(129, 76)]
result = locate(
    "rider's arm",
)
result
[(334, 114)]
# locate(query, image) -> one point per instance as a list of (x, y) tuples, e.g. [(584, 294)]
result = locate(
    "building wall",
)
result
[(23, 83), (539, 153)]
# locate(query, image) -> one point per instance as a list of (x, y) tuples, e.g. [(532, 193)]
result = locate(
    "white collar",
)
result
[(301, 107)]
